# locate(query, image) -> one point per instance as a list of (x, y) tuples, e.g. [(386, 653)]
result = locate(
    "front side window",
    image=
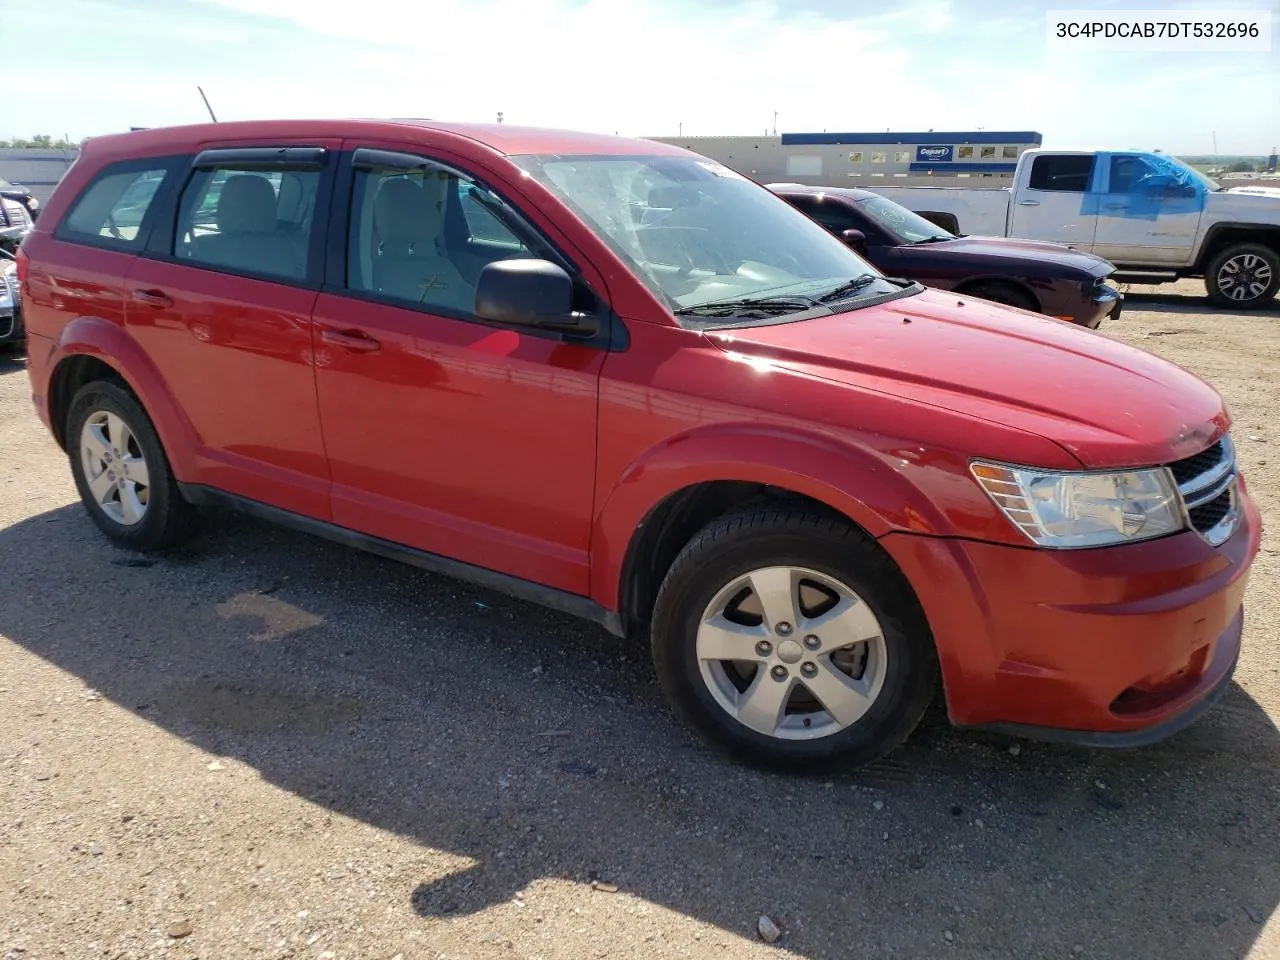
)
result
[(698, 234), (1126, 171), (110, 210), (831, 214), (421, 237), (250, 221)]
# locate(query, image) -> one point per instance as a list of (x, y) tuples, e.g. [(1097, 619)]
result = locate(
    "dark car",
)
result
[(12, 334), (16, 191), (1048, 278)]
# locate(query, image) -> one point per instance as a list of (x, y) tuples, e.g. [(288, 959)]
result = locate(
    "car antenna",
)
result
[(206, 105)]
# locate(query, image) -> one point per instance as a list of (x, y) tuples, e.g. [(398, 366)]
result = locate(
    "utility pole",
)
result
[(775, 123), (680, 127)]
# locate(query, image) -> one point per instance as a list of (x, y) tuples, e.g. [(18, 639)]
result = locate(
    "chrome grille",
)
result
[(1207, 485)]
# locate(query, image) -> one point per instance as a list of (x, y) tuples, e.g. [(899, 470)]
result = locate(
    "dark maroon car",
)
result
[(1048, 278)]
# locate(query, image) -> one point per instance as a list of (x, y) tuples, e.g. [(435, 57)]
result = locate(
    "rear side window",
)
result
[(250, 221), (1066, 174), (111, 209)]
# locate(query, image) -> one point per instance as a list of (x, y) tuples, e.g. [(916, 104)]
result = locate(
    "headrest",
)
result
[(247, 204)]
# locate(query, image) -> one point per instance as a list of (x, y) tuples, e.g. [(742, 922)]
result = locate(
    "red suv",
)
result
[(619, 379)]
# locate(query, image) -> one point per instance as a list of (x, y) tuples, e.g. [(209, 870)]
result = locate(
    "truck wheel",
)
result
[(122, 473), (1004, 293), (1244, 276), (790, 639)]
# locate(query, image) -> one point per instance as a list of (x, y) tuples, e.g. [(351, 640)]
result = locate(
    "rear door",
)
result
[(221, 301), (1053, 203)]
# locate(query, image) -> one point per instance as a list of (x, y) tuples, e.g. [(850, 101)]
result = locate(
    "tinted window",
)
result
[(1069, 174), (110, 210), (422, 237), (248, 221), (834, 216)]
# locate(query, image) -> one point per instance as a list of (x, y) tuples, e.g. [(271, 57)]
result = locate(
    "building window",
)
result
[(902, 156), (877, 158), (988, 153), (855, 157), (964, 153), (1011, 153)]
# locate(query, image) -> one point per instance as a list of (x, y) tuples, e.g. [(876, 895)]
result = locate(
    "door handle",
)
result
[(1113, 206), (153, 298), (353, 340), (1028, 203)]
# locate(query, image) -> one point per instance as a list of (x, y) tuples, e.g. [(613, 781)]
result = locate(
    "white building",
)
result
[(859, 159)]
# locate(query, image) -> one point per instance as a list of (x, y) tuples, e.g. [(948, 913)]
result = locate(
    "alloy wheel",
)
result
[(1246, 276), (115, 468), (791, 653)]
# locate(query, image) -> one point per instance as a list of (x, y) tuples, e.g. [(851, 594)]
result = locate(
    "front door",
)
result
[(1054, 202), (458, 437), (221, 301), (1147, 213)]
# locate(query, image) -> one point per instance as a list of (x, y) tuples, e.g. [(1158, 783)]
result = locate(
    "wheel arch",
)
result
[(95, 349), (665, 497), (971, 284), (1223, 235)]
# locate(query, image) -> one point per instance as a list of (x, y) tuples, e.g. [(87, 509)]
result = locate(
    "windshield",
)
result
[(697, 233), (1186, 168), (906, 226)]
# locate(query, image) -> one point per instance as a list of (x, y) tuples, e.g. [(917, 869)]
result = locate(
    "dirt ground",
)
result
[(268, 746)]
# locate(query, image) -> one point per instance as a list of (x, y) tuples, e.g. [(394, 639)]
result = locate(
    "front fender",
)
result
[(109, 343), (863, 485)]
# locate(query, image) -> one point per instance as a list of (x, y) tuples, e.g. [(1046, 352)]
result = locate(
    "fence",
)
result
[(37, 170)]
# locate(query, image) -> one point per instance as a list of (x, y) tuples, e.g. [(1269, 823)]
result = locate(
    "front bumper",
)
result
[(1120, 645), (11, 329)]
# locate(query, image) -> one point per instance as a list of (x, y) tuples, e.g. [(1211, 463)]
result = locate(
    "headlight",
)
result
[(1063, 510)]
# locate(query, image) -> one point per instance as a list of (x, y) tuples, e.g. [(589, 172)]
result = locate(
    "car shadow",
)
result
[(11, 362), (1185, 303), (538, 746)]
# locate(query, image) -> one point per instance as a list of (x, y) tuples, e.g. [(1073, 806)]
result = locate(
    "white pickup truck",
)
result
[(1154, 217)]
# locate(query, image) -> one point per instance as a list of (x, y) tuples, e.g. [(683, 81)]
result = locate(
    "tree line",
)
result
[(41, 141)]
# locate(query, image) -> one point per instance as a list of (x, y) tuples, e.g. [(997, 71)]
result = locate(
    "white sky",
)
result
[(638, 67)]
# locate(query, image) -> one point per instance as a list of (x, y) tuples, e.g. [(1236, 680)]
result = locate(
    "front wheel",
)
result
[(790, 639), (1004, 293), (1244, 276)]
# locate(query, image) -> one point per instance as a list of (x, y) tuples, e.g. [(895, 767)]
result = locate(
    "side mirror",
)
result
[(530, 293), (856, 239)]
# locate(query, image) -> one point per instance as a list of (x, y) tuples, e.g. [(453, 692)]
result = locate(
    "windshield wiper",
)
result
[(932, 240), (735, 307), (853, 286)]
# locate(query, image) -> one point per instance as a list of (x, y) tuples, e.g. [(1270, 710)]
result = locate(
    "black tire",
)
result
[(739, 543), (1005, 293), (1266, 259), (168, 518)]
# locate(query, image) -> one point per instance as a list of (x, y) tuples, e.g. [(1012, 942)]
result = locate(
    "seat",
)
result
[(408, 264), (248, 237)]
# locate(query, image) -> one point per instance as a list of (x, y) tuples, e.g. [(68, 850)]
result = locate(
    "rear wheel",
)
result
[(1244, 276), (121, 470), (790, 639), (1004, 293)]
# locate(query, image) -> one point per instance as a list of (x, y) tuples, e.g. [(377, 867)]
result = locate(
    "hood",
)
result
[(1106, 403), (1010, 251), (1255, 191)]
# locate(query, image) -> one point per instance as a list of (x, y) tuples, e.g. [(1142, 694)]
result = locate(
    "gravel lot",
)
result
[(268, 746)]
